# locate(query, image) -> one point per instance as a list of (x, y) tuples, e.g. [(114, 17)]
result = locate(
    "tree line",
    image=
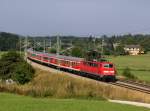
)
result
[(107, 45)]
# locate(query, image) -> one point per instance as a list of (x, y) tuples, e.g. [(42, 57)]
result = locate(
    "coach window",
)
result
[(76, 64), (73, 63), (90, 64), (95, 65), (61, 61), (68, 62), (33, 54), (46, 58)]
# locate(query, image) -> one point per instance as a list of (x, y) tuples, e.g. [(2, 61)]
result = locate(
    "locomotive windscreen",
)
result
[(108, 65)]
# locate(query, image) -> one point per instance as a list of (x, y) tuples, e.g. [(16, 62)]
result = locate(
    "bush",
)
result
[(23, 73), (11, 56), (53, 50), (8, 62), (127, 73), (13, 66)]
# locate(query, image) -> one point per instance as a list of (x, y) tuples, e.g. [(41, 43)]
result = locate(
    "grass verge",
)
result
[(10, 102)]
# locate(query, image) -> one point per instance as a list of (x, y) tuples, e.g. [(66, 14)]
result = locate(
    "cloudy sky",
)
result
[(75, 17)]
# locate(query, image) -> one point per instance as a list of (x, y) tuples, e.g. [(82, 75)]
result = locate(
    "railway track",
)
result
[(136, 83), (133, 85)]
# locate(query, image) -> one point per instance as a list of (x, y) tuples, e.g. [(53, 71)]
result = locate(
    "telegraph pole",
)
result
[(94, 40), (20, 44), (26, 43), (44, 46), (34, 44), (58, 43), (102, 46), (26, 46), (57, 54), (50, 43)]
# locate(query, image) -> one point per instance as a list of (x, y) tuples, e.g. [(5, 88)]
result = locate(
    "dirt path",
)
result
[(131, 103)]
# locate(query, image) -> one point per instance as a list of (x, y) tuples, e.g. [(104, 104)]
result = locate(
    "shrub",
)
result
[(127, 73), (23, 73), (13, 66), (8, 62), (11, 56)]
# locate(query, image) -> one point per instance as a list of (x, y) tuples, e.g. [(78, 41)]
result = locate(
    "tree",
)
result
[(8, 62), (9, 41), (119, 50), (23, 73), (77, 52), (13, 66), (52, 50), (127, 73)]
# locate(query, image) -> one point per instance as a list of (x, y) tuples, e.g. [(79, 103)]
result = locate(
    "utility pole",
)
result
[(26, 43), (50, 43), (102, 46), (34, 43), (20, 44), (57, 54), (58, 43), (26, 46), (44, 46), (94, 39)]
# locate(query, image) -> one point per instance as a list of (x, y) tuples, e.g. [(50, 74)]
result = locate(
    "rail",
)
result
[(133, 85)]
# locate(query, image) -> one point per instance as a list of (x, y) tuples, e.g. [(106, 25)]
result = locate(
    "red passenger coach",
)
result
[(101, 70)]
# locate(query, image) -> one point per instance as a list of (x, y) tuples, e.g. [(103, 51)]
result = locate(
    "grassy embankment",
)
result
[(53, 85), (139, 65), (10, 102)]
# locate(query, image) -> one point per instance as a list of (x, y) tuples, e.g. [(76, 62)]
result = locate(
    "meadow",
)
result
[(11, 102), (139, 65)]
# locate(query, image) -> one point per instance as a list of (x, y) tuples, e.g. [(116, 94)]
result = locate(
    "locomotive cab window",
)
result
[(108, 65)]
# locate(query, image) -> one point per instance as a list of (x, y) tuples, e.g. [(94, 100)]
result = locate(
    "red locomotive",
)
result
[(101, 70)]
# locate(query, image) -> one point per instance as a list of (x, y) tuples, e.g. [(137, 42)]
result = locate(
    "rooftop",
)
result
[(132, 46)]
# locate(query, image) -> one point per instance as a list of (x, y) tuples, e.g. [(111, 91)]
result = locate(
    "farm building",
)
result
[(133, 49)]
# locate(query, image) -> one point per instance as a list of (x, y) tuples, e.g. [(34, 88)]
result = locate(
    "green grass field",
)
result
[(139, 65), (10, 102)]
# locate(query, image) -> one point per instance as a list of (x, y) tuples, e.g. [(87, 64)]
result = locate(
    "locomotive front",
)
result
[(108, 71)]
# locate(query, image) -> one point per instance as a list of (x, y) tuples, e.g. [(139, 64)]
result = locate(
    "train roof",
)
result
[(58, 56), (66, 57)]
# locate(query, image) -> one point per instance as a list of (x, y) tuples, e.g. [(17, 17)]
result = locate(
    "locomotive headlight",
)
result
[(111, 71), (106, 71)]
